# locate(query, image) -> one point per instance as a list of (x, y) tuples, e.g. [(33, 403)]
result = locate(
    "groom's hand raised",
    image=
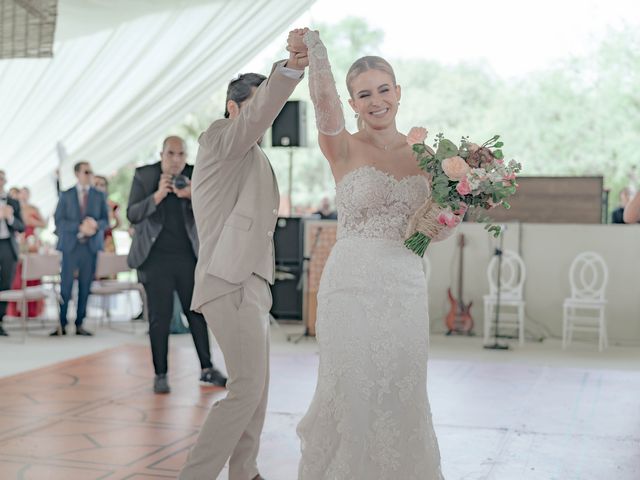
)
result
[(298, 58), (295, 40)]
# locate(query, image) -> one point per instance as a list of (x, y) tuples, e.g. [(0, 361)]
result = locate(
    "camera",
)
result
[(179, 181)]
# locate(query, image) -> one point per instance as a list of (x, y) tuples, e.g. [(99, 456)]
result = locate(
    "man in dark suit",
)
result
[(81, 218), (164, 250), (10, 223)]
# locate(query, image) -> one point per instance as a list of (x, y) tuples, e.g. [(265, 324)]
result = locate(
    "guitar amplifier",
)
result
[(287, 289), (287, 293), (288, 240)]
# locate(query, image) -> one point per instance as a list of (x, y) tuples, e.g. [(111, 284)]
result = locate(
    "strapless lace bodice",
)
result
[(374, 204)]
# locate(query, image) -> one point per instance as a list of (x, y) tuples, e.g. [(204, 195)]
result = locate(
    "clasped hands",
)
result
[(298, 56), (88, 227)]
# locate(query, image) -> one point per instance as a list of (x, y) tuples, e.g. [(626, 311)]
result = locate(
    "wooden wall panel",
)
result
[(554, 200)]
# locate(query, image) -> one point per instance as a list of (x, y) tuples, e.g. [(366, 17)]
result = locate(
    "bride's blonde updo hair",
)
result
[(364, 64)]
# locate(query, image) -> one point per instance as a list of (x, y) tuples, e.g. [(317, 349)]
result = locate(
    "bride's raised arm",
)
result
[(332, 136)]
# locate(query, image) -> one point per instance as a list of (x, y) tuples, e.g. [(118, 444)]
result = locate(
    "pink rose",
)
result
[(510, 176), (455, 168), (463, 187), (416, 135), (462, 209), (448, 218)]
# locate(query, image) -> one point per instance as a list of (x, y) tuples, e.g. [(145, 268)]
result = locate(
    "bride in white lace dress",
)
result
[(370, 416)]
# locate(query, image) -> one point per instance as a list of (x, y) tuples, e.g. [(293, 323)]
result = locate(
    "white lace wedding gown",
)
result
[(370, 417)]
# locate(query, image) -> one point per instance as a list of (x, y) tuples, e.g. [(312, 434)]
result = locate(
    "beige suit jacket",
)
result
[(235, 195)]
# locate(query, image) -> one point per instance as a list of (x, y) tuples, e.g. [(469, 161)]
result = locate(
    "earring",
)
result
[(398, 103), (356, 115)]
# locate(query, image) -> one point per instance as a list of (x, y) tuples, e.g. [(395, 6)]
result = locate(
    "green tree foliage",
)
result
[(581, 116)]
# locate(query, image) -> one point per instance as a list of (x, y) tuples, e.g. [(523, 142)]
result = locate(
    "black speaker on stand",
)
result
[(289, 130), (290, 126)]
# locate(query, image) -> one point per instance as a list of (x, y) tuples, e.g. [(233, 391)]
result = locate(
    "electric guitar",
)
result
[(459, 319)]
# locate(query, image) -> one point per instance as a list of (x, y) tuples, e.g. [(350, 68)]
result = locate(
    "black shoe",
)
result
[(139, 317), (81, 331), (211, 376), (161, 384), (58, 332), (3, 332)]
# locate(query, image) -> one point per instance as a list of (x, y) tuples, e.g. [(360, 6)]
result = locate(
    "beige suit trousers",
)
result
[(240, 322)]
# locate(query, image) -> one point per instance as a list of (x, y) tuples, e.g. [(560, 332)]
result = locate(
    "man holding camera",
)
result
[(164, 250)]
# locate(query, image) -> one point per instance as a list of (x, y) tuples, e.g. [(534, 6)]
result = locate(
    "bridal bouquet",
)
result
[(469, 176)]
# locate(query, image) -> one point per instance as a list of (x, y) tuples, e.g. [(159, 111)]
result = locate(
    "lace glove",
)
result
[(322, 86)]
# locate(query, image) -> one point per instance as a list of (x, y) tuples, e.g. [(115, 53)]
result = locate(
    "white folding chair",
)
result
[(588, 277), (511, 310), (108, 267), (35, 266)]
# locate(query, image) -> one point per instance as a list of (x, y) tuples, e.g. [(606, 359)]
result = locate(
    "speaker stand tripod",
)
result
[(497, 345)]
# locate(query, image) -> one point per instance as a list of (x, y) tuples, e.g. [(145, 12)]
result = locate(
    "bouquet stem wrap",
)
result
[(423, 227)]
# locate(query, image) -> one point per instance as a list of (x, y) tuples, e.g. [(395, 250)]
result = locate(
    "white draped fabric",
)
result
[(123, 72)]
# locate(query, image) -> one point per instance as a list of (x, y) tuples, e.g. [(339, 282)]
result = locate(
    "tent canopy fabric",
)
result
[(123, 72)]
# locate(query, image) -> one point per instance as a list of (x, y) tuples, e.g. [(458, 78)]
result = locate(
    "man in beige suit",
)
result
[(235, 203)]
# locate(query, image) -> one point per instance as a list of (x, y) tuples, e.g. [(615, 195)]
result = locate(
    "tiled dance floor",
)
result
[(96, 418)]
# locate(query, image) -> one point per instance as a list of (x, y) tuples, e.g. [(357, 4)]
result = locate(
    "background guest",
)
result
[(325, 211), (617, 216), (14, 192), (81, 218), (102, 184), (10, 223), (31, 217), (632, 210), (29, 243), (164, 250)]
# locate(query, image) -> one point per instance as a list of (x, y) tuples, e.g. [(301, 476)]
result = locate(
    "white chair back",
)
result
[(512, 275), (36, 265), (110, 264), (588, 276)]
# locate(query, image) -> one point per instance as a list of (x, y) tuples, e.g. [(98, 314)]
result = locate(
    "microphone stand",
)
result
[(307, 273), (498, 251)]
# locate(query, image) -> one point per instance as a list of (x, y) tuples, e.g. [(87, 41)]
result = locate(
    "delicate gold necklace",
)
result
[(383, 147)]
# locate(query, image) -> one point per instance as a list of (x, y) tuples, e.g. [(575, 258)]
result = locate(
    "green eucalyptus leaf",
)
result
[(446, 149)]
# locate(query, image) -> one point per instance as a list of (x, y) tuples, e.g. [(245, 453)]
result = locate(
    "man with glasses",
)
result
[(10, 223), (81, 217)]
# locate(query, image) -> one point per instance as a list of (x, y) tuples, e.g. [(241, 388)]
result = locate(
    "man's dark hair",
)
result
[(78, 166), (240, 88), (104, 179)]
